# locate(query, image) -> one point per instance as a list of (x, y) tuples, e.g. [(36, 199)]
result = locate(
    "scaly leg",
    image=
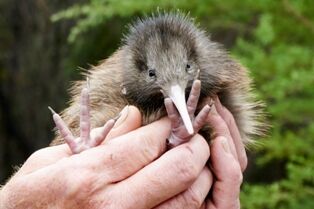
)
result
[(179, 133), (86, 140)]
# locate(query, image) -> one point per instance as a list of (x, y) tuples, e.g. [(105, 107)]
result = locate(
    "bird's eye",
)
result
[(152, 73), (188, 68)]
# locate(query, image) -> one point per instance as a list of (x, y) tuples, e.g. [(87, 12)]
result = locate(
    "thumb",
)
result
[(129, 120)]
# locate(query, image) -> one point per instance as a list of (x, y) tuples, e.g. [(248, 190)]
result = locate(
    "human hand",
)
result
[(227, 162), (228, 159), (127, 171)]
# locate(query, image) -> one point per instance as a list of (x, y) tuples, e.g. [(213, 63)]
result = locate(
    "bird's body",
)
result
[(159, 54)]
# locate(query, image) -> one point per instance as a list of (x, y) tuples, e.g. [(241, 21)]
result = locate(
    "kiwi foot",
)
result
[(86, 139), (179, 133)]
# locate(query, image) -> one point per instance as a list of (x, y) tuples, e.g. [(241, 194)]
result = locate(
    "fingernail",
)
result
[(122, 116), (225, 144)]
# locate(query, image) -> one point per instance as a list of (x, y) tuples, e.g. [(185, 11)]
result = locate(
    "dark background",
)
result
[(43, 44)]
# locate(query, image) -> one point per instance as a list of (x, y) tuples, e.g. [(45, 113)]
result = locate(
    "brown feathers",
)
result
[(161, 50)]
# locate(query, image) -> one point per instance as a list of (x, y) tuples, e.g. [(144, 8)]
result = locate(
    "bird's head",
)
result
[(163, 54)]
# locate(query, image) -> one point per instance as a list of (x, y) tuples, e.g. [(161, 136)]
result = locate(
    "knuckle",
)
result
[(38, 153), (35, 156), (186, 169), (192, 199), (236, 175), (239, 178), (232, 173), (243, 162), (148, 147), (80, 186)]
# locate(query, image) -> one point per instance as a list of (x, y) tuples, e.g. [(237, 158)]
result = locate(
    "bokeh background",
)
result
[(44, 43)]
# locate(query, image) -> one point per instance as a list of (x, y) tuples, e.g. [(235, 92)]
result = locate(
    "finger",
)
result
[(234, 131), (50, 155), (220, 128), (124, 155), (84, 116), (169, 175), (226, 189), (130, 119), (194, 196)]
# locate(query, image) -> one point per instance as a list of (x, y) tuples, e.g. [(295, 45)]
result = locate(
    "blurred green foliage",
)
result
[(274, 39)]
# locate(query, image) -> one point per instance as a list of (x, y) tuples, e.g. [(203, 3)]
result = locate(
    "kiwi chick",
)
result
[(162, 55)]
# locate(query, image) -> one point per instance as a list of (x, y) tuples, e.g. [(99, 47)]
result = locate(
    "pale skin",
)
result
[(112, 175)]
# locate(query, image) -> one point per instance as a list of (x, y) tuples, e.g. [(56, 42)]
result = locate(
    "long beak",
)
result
[(177, 96)]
